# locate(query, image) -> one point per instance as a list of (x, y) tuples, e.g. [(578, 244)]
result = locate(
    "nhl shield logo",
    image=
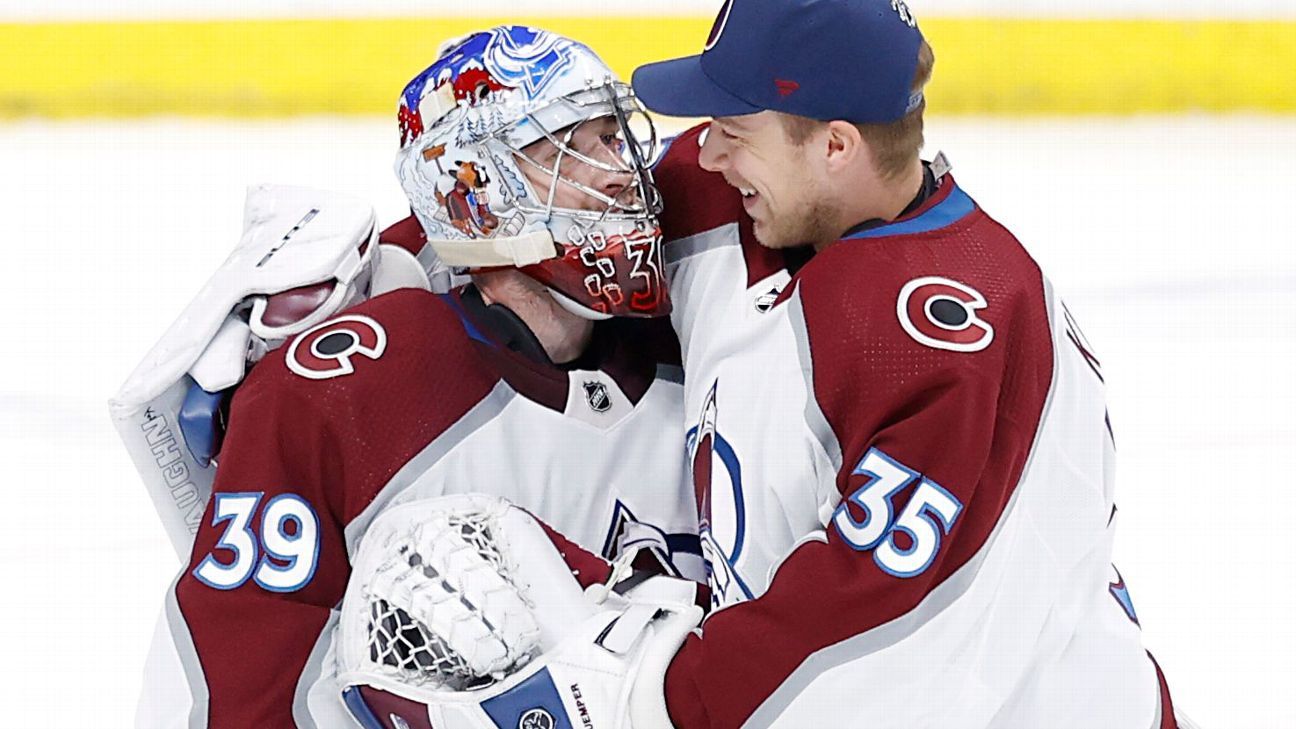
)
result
[(596, 394), (765, 301)]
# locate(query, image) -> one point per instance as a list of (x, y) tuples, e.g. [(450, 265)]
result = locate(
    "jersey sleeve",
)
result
[(311, 444), (406, 233), (930, 443), (247, 615)]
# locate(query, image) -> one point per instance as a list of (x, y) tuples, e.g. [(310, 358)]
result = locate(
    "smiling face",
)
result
[(781, 182), (598, 139)]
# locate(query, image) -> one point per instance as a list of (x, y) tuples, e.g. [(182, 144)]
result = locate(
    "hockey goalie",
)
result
[(366, 374)]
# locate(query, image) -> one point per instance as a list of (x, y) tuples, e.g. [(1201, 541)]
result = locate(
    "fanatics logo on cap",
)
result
[(717, 28), (786, 87)]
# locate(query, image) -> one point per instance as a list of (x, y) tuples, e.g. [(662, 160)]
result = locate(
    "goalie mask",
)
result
[(520, 148)]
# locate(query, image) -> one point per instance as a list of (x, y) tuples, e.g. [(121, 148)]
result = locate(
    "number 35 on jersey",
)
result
[(929, 515), (280, 550)]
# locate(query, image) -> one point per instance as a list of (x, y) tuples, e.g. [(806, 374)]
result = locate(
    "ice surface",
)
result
[(1166, 236)]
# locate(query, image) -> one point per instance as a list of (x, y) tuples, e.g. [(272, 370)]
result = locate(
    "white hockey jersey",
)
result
[(904, 470), (407, 396)]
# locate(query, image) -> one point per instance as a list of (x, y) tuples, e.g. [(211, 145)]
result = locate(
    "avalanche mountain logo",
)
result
[(722, 510)]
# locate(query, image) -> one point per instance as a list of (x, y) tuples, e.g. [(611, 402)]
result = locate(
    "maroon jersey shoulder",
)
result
[(322, 423), (383, 379), (935, 346), (959, 291), (407, 234)]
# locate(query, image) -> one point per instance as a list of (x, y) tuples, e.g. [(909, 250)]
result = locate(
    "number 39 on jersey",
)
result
[(277, 557), (930, 514)]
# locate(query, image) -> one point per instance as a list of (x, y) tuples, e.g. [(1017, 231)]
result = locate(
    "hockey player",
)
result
[(900, 448), (520, 164)]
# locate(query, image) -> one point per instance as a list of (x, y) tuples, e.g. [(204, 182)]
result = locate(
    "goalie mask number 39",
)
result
[(521, 149)]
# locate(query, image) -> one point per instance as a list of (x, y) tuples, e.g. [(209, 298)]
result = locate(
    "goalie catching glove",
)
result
[(462, 614)]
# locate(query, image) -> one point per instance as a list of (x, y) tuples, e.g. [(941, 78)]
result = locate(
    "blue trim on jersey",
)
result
[(947, 212), (1120, 591), (722, 448), (687, 543), (471, 329), (733, 467), (1122, 596)]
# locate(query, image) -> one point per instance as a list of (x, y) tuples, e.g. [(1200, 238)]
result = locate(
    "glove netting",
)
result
[(406, 647)]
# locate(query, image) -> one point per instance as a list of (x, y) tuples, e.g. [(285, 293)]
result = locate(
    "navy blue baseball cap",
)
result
[(852, 60)]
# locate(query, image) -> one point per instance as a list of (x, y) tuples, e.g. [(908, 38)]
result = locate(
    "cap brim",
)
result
[(679, 87)]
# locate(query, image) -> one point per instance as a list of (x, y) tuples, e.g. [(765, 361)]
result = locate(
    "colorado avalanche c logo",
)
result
[(325, 350), (942, 314)]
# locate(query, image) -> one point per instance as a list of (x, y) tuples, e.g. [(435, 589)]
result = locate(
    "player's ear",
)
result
[(844, 145)]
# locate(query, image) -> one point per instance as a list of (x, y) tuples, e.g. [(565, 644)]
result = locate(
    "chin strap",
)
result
[(571, 306), (504, 325), (518, 250)]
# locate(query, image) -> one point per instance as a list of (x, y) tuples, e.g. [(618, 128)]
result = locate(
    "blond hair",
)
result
[(895, 144)]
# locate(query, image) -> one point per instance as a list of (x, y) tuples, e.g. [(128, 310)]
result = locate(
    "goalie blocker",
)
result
[(463, 613), (304, 255)]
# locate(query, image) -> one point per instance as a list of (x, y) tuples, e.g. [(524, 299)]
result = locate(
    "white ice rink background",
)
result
[(1168, 237)]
